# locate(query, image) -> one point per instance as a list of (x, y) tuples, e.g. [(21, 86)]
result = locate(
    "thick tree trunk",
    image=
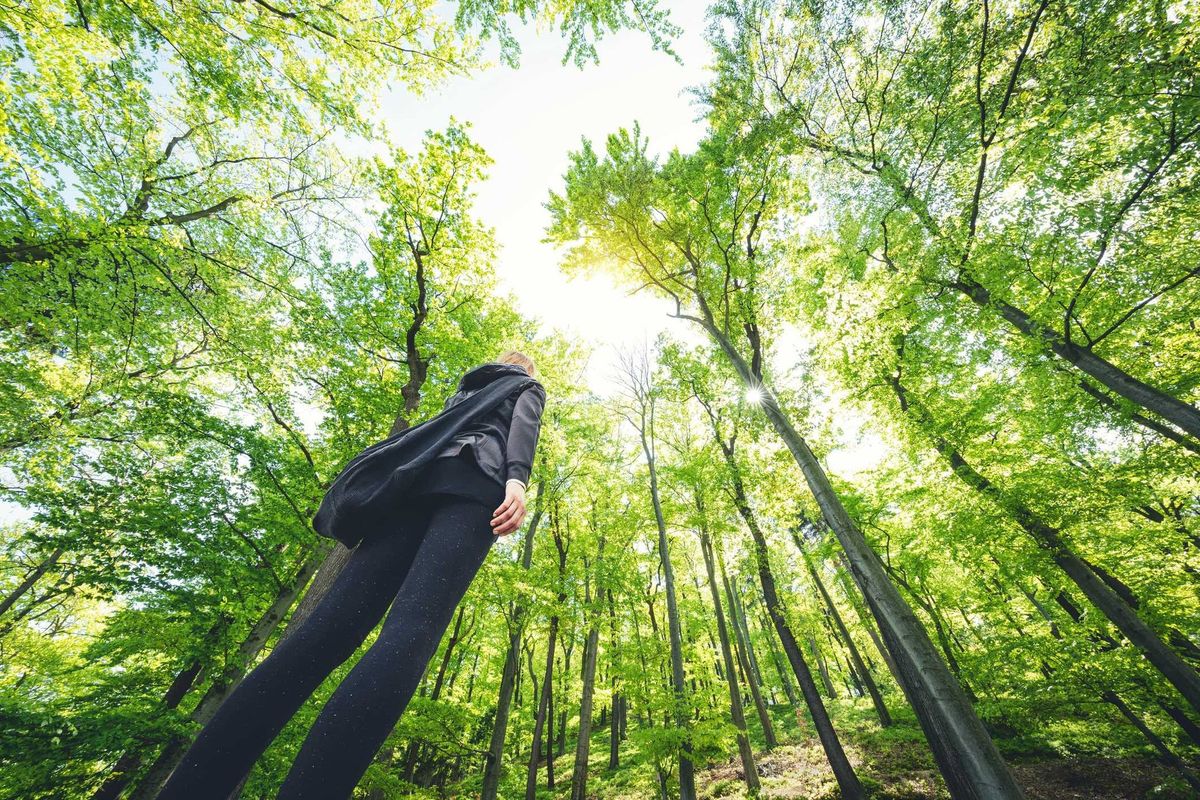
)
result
[(736, 712), (966, 755), (1100, 592), (864, 618)]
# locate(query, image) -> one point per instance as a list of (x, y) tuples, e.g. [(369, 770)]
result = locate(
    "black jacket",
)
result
[(374, 486), (504, 441)]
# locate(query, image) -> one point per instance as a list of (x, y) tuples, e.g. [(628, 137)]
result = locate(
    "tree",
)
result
[(693, 230)]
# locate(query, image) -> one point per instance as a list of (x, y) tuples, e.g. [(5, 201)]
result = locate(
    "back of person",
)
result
[(415, 569), (500, 444)]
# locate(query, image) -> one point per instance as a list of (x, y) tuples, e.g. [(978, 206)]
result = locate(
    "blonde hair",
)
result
[(517, 357)]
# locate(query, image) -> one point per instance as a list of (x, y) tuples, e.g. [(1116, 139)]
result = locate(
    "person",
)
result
[(422, 563)]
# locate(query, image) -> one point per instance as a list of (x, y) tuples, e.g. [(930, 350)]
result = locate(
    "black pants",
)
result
[(426, 562)]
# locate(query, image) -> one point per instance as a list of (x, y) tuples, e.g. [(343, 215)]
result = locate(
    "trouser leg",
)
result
[(257, 710), (364, 709)]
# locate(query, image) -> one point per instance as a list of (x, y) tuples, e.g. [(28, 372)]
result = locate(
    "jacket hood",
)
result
[(486, 373)]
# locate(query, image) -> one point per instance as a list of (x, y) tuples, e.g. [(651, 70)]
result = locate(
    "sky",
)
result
[(528, 120)]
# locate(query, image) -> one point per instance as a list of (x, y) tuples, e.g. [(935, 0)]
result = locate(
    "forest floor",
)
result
[(1082, 762), (896, 764), (800, 772)]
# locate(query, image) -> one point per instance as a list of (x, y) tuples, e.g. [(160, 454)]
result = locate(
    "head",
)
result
[(517, 357)]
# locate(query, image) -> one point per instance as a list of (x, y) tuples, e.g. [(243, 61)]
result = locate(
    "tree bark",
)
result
[(848, 782), (764, 717), (736, 711), (229, 678), (132, 759), (583, 746), (965, 753), (1116, 608), (864, 674), (822, 667), (618, 698), (1175, 411), (494, 760), (1183, 415), (687, 781), (543, 705)]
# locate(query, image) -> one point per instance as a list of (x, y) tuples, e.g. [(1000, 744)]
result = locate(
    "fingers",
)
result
[(502, 523), (505, 529), (508, 520), (500, 509)]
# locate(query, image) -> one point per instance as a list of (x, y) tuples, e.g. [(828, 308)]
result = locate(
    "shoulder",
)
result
[(532, 389), (530, 398)]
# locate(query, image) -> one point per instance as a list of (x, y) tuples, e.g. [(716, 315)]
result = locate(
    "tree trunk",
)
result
[(618, 698), (751, 656), (543, 703), (228, 680), (132, 759), (1100, 592), (493, 761), (687, 781), (864, 674), (735, 694), (822, 667), (550, 733), (851, 787), (1175, 411), (764, 718), (965, 753), (579, 775), (1111, 697), (785, 679), (583, 743)]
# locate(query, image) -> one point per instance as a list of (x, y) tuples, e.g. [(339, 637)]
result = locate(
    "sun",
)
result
[(754, 394)]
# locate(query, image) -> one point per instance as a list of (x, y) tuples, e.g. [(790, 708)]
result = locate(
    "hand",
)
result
[(508, 516)]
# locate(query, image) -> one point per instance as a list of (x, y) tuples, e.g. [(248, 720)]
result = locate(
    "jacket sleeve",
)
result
[(523, 432)]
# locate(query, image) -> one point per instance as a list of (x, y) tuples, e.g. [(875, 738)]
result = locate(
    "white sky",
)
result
[(528, 120)]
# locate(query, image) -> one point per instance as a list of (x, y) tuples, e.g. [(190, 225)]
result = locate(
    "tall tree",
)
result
[(692, 230)]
